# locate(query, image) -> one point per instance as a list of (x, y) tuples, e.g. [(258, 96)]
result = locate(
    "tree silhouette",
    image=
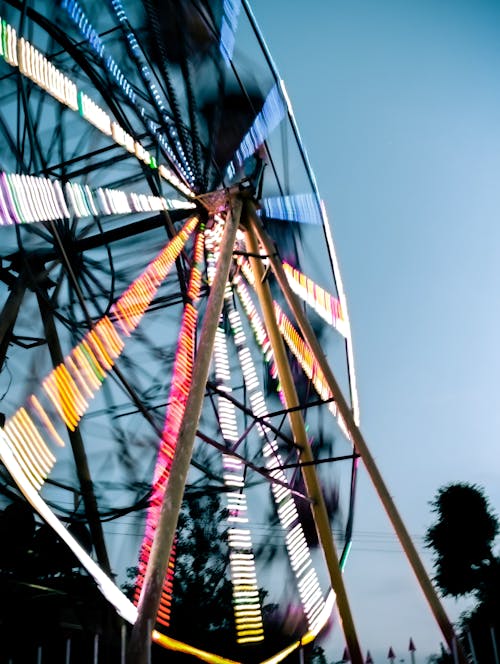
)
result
[(202, 609), (462, 540)]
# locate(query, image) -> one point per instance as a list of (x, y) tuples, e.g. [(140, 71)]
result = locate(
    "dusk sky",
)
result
[(398, 104)]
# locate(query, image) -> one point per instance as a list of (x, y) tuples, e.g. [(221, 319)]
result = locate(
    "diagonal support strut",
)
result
[(358, 440), (318, 506)]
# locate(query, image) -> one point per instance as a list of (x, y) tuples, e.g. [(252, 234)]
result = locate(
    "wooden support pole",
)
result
[(357, 438), (171, 505), (318, 506)]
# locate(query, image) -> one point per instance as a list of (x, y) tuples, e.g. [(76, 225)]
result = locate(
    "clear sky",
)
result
[(398, 103)]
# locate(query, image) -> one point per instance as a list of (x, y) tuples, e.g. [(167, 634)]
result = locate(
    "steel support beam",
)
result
[(77, 446), (9, 315)]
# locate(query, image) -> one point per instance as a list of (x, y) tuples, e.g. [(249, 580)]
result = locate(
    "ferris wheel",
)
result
[(169, 292)]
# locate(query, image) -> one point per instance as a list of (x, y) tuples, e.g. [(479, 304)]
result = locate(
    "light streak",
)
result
[(297, 548), (303, 208), (70, 385), (269, 117), (179, 391), (84, 26), (28, 199), (309, 364), (35, 66), (249, 626), (327, 306), (229, 24)]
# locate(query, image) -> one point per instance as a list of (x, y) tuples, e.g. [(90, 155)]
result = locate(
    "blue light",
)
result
[(271, 114), (229, 25), (301, 208), (86, 29)]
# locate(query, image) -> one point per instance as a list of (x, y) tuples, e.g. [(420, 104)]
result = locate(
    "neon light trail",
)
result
[(179, 390), (323, 303), (297, 547), (246, 600), (70, 385), (302, 208), (82, 23), (26, 199), (307, 361), (265, 123), (35, 66)]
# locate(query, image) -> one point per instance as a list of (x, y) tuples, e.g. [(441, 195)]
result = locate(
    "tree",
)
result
[(41, 577), (462, 539), (202, 610)]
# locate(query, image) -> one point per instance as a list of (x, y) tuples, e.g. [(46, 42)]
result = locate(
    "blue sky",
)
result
[(398, 104)]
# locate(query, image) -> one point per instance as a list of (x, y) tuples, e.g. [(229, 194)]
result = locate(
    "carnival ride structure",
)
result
[(170, 293)]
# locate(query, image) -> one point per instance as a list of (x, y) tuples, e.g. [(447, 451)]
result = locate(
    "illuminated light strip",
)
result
[(147, 77), (35, 66), (82, 372), (77, 200), (297, 548), (65, 91), (269, 117), (343, 301), (132, 304), (94, 114), (117, 201), (309, 364), (303, 208), (9, 44), (296, 344), (28, 199), (231, 10), (179, 390), (243, 579), (281, 493), (109, 589), (181, 380), (115, 596), (77, 15), (69, 385), (257, 326), (327, 306)]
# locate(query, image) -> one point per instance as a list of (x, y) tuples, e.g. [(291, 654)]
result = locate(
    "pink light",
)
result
[(179, 390)]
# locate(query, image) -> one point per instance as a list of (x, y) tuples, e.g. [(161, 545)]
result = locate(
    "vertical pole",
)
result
[(494, 644), (318, 506), (9, 315), (39, 655), (357, 437), (96, 648), (150, 627), (68, 651), (454, 650), (471, 647), (167, 522), (123, 643), (77, 446)]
